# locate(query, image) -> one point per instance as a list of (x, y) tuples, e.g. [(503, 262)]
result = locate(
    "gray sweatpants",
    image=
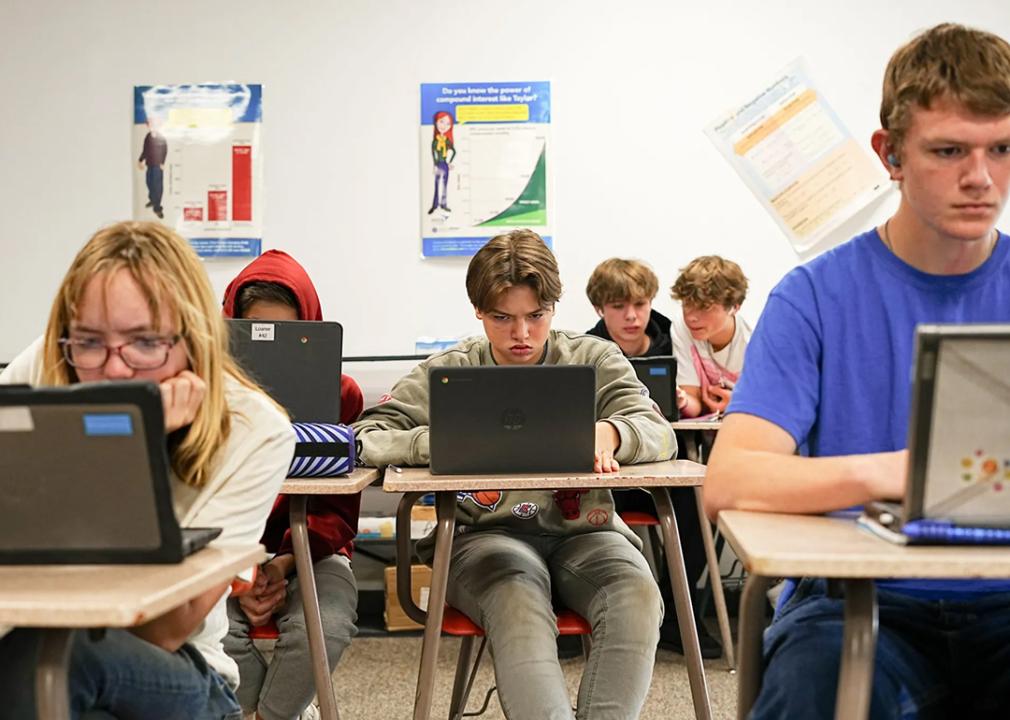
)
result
[(282, 689), (505, 583)]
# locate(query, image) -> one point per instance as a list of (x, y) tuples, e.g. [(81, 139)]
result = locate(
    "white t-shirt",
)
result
[(245, 478), (698, 364)]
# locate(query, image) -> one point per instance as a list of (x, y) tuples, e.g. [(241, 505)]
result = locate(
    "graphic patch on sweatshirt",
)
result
[(569, 502), (597, 517), (525, 510), (487, 499)]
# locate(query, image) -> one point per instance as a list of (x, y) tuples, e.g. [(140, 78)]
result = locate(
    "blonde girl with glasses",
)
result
[(136, 304)]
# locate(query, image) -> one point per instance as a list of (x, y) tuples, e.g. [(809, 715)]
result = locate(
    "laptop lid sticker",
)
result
[(108, 425), (262, 331), (16, 419)]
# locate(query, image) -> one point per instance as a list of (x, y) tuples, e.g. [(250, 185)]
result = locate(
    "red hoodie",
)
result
[(332, 519)]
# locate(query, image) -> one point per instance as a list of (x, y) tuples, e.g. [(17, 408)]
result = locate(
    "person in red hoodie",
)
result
[(275, 287)]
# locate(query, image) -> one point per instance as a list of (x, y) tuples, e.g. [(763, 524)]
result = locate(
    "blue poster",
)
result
[(484, 168)]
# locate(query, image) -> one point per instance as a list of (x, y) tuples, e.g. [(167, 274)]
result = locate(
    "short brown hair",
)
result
[(616, 280), (968, 66), (519, 257), (710, 280)]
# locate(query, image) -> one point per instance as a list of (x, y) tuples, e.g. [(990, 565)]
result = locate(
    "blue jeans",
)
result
[(122, 675), (935, 658)]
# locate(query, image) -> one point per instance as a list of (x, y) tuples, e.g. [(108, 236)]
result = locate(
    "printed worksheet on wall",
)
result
[(797, 157), (484, 163), (198, 164)]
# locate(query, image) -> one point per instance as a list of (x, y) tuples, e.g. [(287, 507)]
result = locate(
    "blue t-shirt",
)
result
[(830, 361)]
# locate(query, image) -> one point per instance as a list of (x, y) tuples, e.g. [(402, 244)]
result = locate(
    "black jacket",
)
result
[(658, 330)]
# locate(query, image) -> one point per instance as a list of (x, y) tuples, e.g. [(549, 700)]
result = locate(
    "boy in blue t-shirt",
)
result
[(828, 371)]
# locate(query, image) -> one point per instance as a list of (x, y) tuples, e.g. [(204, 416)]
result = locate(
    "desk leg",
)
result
[(859, 644), (310, 605), (682, 601), (445, 509), (750, 662), (52, 697), (715, 580)]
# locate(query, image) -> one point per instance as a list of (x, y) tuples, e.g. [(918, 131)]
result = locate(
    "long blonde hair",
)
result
[(169, 275)]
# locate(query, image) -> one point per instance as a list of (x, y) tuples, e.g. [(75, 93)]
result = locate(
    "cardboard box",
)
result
[(420, 587)]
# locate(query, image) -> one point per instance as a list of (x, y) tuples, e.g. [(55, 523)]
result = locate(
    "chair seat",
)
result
[(456, 623), (265, 632), (634, 517)]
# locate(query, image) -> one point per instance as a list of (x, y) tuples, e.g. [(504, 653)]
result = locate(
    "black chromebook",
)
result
[(504, 420), (84, 477)]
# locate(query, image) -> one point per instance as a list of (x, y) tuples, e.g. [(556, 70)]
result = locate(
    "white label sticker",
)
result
[(263, 331), (423, 600), (16, 419)]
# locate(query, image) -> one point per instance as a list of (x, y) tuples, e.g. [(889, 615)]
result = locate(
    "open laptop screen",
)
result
[(959, 439)]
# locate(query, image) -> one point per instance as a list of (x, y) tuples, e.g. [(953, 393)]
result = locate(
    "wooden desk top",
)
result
[(693, 424), (358, 480), (671, 473), (776, 545), (76, 596)]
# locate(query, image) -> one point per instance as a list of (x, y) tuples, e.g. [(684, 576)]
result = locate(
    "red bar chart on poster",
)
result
[(199, 164)]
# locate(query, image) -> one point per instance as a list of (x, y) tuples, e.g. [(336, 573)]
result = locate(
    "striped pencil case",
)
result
[(322, 450)]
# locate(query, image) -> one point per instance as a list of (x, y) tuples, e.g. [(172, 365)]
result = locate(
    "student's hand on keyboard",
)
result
[(181, 397), (886, 474), (607, 442)]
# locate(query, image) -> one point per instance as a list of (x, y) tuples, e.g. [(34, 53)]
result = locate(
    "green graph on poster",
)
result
[(530, 208)]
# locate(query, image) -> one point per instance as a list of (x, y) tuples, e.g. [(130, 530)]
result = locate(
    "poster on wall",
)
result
[(198, 164), (484, 166), (796, 156)]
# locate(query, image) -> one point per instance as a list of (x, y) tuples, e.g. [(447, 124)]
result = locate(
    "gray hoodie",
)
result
[(395, 432)]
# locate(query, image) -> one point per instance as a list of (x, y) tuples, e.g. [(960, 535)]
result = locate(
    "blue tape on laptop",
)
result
[(958, 490)]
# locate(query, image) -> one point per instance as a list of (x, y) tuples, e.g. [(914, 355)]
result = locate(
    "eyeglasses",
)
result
[(139, 354)]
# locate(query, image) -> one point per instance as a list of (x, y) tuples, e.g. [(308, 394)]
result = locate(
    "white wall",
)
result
[(633, 85)]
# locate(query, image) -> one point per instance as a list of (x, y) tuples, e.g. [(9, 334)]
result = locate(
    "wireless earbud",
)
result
[(893, 160)]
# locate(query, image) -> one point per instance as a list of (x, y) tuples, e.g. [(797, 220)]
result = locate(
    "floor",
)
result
[(377, 676)]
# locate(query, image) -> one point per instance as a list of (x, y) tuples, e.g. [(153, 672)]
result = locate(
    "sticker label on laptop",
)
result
[(659, 371), (487, 499), (262, 331), (525, 510), (16, 419), (108, 425)]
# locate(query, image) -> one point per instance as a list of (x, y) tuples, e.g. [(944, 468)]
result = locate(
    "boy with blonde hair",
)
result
[(622, 292)]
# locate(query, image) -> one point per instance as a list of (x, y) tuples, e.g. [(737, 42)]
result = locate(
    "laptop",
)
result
[(297, 362), (959, 441), (507, 420), (84, 472), (659, 374)]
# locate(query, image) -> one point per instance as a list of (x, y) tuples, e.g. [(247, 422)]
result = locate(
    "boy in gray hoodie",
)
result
[(517, 549)]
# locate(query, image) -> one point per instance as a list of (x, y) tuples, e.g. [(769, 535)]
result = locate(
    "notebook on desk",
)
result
[(297, 362), (496, 420), (958, 489), (84, 472)]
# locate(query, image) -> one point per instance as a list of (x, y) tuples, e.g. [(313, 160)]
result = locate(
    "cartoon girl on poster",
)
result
[(441, 147)]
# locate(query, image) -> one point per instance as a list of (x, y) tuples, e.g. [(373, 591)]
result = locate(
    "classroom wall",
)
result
[(633, 86)]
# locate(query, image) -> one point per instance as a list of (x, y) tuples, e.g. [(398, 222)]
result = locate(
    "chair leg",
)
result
[(461, 710), (458, 682), (715, 581)]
